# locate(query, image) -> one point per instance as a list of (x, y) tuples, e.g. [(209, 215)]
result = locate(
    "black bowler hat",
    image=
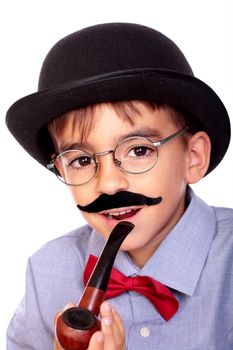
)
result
[(115, 62)]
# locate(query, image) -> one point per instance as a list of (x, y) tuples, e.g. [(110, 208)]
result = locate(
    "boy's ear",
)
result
[(198, 157), (59, 168)]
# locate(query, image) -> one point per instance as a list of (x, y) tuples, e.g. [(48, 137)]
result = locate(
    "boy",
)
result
[(120, 118)]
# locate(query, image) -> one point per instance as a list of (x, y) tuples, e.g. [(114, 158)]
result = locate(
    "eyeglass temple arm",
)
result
[(171, 137), (51, 166)]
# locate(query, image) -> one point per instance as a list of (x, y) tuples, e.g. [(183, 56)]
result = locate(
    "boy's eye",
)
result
[(81, 161), (139, 151)]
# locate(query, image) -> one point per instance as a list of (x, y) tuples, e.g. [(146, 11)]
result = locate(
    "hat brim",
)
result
[(26, 117)]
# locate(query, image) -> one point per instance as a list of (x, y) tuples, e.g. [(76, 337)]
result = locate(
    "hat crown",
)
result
[(108, 48), (115, 62)]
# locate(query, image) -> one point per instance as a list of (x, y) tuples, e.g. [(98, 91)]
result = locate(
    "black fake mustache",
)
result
[(118, 200)]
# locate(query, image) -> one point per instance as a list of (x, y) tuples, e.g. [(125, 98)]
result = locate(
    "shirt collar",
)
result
[(180, 258)]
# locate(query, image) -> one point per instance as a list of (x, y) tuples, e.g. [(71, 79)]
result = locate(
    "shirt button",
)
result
[(144, 332)]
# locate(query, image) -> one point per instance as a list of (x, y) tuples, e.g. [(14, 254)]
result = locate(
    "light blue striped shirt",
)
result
[(195, 261)]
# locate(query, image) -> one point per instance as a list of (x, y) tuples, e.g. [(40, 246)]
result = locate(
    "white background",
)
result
[(34, 206)]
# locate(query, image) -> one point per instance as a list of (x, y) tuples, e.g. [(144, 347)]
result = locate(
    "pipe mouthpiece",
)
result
[(77, 324)]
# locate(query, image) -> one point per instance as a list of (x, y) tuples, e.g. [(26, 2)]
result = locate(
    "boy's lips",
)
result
[(121, 213)]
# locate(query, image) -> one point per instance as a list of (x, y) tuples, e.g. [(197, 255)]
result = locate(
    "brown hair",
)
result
[(125, 110)]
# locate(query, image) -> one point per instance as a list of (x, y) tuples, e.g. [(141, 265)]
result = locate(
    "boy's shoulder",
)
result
[(224, 230), (224, 217), (67, 245)]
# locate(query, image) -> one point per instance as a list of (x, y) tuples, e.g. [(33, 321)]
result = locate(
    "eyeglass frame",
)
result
[(52, 167)]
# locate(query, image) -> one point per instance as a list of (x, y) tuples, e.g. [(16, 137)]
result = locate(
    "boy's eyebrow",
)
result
[(69, 145), (142, 132)]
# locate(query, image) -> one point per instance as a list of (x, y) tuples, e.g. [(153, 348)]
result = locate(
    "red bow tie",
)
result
[(158, 294)]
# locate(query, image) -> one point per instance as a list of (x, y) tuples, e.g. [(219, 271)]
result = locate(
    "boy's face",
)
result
[(167, 179)]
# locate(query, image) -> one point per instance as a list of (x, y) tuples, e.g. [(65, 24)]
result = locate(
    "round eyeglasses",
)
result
[(134, 155)]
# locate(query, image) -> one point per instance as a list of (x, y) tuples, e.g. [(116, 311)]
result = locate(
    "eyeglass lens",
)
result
[(133, 155)]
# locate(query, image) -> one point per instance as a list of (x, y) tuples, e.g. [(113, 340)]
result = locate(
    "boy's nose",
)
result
[(110, 178)]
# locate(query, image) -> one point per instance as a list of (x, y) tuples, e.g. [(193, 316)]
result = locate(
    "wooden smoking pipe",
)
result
[(76, 325)]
